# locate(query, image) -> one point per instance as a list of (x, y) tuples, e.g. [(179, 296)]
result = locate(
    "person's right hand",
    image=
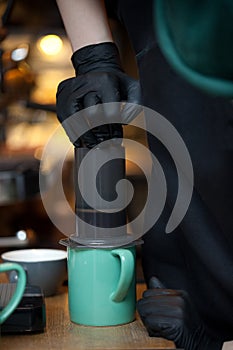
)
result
[(170, 314), (99, 79)]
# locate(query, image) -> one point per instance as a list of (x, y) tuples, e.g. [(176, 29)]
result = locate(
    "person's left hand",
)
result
[(170, 314)]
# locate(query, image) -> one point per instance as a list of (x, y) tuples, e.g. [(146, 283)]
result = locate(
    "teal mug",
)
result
[(101, 285), (19, 290)]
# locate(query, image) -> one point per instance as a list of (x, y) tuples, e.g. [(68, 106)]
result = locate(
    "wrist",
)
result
[(97, 57)]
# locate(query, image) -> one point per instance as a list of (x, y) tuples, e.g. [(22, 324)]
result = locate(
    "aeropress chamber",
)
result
[(101, 196)]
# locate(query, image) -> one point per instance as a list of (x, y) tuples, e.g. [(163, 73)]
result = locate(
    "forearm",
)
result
[(85, 22)]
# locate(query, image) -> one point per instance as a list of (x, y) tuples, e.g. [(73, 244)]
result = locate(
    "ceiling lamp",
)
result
[(50, 45)]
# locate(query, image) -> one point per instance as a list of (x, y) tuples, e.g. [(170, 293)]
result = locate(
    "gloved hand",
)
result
[(170, 314), (99, 79)]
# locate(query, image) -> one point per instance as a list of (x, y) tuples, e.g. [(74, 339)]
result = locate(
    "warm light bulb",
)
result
[(50, 44)]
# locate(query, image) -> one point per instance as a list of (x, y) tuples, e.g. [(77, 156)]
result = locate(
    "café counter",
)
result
[(61, 334)]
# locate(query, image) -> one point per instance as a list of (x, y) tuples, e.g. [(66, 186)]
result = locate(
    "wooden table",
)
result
[(61, 334)]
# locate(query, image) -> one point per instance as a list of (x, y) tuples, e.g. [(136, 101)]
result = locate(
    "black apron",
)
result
[(198, 255)]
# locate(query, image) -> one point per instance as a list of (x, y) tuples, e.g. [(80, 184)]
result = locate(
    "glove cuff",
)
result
[(97, 57)]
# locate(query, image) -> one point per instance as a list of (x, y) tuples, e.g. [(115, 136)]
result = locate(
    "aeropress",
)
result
[(101, 254)]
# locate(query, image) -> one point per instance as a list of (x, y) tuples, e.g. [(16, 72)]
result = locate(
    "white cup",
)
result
[(46, 268)]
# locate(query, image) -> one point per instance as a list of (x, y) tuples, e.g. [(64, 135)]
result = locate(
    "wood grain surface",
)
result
[(62, 334)]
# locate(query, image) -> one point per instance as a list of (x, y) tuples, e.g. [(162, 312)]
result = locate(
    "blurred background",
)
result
[(34, 58)]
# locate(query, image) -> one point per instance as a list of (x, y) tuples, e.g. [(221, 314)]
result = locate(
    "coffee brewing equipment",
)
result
[(103, 221), (101, 198)]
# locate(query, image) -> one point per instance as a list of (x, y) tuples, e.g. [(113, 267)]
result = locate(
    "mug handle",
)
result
[(126, 274), (19, 291)]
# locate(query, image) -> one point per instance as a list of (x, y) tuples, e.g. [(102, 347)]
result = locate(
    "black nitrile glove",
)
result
[(169, 314), (99, 79)]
